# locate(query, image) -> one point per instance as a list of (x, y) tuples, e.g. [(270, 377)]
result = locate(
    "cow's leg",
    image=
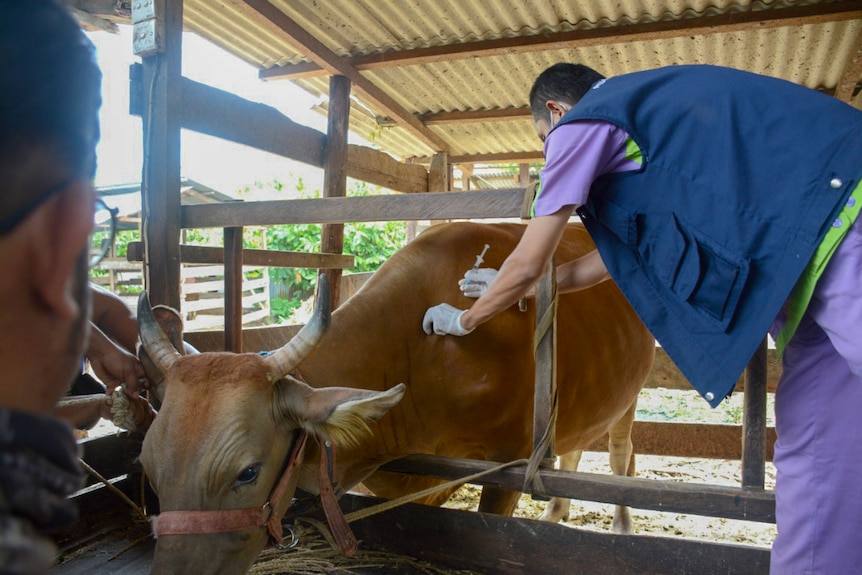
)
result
[(558, 507), (621, 455), (499, 501)]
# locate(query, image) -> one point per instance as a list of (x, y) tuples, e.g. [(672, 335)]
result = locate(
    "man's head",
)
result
[(556, 90), (50, 94)]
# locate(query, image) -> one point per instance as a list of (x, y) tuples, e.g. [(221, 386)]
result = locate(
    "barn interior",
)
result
[(442, 87)]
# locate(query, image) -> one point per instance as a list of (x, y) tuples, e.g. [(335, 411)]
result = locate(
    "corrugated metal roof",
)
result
[(812, 43)]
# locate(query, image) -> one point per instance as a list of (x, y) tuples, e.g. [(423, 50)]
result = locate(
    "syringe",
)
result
[(479, 259)]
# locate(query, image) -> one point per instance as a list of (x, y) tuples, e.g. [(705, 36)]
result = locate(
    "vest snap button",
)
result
[(709, 396), (837, 223), (836, 183)]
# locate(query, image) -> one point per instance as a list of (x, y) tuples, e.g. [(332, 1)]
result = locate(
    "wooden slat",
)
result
[(698, 499), (254, 339), (699, 440), (112, 455), (445, 205), (375, 167), (250, 257), (511, 546), (667, 375)]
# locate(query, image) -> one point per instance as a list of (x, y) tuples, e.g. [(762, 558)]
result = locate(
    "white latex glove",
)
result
[(443, 319), (476, 282)]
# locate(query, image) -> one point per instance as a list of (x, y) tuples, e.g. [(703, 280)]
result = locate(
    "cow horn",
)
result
[(155, 342), (285, 359)]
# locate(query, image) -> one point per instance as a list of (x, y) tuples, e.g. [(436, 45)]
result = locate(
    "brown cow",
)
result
[(228, 426), (465, 397)]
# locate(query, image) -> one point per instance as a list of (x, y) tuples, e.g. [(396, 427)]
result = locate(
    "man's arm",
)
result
[(582, 273)]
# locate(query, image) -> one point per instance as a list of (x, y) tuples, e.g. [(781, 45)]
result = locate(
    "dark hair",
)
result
[(563, 82), (50, 90)]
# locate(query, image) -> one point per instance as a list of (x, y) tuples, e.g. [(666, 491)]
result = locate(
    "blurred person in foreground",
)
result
[(50, 94), (724, 204)]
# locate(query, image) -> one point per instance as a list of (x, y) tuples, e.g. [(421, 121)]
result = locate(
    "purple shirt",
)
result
[(575, 155)]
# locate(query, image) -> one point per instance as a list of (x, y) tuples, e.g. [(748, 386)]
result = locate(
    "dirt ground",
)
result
[(598, 516)]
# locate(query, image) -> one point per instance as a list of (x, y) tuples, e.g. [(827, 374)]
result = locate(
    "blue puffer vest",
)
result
[(742, 175)]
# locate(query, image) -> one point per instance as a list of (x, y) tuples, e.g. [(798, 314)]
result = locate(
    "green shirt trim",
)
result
[(800, 297)]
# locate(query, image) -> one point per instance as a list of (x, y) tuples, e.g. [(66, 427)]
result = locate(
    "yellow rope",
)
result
[(386, 505)]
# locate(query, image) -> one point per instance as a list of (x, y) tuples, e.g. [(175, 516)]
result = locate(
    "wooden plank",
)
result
[(674, 439), (381, 169), (666, 374), (698, 499), (224, 115), (254, 339), (444, 205), (256, 258), (498, 545), (161, 95), (112, 455), (218, 113), (335, 176)]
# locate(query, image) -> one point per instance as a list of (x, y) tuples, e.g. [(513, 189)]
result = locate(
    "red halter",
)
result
[(191, 522)]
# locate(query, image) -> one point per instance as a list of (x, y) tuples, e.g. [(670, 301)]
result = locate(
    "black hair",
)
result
[(50, 89), (563, 82)]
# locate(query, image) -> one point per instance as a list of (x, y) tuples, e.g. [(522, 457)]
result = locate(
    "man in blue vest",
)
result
[(724, 205)]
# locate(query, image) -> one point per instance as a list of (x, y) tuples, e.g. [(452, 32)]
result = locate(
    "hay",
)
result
[(316, 554)]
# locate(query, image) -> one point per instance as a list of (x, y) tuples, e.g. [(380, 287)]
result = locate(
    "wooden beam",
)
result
[(487, 543), (266, 258), (472, 116), (439, 206), (699, 499), (501, 158), (699, 26), (666, 374), (218, 113), (333, 64), (381, 169)]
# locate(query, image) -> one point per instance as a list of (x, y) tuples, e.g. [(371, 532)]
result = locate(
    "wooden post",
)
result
[(524, 175), (233, 289), (438, 177), (546, 363), (754, 420), (335, 174), (160, 188)]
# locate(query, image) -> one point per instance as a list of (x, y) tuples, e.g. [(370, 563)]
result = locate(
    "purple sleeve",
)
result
[(575, 155)]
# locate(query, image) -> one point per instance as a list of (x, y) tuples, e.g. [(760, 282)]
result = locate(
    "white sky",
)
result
[(216, 163)]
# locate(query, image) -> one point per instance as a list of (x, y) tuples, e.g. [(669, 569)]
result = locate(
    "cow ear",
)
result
[(340, 414)]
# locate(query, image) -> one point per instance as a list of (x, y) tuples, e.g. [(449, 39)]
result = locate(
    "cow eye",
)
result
[(248, 475)]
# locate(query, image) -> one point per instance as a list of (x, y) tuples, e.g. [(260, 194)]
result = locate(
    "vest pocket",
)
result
[(698, 271)]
